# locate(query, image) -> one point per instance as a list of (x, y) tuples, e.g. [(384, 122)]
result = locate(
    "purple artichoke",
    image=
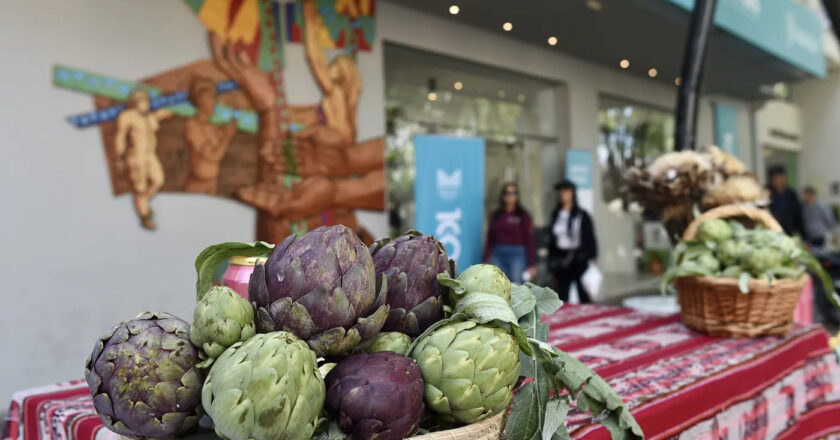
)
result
[(321, 287), (376, 396), (412, 262), (143, 377)]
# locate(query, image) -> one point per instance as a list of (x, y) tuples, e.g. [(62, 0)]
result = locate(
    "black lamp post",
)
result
[(702, 20)]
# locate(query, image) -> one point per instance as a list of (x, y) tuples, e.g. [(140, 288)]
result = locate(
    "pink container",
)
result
[(239, 273), (804, 313)]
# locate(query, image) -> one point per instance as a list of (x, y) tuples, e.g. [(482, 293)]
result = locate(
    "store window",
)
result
[(631, 135), (513, 113)]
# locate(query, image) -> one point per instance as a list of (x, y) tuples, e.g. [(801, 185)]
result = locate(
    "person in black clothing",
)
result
[(784, 204), (573, 243)]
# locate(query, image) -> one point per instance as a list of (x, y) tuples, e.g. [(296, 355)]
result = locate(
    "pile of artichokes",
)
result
[(338, 341)]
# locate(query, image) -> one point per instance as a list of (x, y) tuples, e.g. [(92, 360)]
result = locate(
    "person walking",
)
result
[(784, 204), (817, 218), (573, 244), (510, 237)]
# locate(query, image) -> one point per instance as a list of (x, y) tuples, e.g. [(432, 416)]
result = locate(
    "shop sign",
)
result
[(449, 193), (784, 28)]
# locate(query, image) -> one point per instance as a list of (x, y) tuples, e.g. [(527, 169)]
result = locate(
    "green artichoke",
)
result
[(732, 272), (321, 287), (412, 262), (715, 230), (143, 377), (390, 341), (222, 318), (707, 261), (469, 370), (731, 252), (485, 278), (266, 388), (760, 261)]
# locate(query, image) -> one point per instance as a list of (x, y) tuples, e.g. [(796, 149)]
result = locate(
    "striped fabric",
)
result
[(680, 385)]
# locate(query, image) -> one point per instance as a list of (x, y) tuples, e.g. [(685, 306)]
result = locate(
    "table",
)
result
[(678, 384)]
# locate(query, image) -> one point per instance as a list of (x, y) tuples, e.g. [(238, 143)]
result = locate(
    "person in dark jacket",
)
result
[(573, 244), (510, 237), (784, 204)]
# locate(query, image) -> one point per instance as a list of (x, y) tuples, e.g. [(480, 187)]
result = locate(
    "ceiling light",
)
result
[(652, 73), (625, 63), (501, 93), (594, 5), (508, 26), (677, 81), (520, 97), (552, 41), (454, 9), (458, 85), (432, 96)]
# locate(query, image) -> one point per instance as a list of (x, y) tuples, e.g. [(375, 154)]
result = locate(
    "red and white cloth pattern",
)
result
[(680, 385)]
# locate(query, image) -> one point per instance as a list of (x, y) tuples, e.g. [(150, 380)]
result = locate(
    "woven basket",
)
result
[(716, 306), (489, 429)]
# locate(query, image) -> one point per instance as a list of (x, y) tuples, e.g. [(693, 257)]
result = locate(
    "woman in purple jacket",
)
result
[(510, 237)]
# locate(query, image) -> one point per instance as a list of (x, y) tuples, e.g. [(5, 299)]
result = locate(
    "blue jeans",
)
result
[(511, 259)]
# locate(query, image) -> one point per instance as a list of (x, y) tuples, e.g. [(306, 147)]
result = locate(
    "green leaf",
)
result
[(548, 301), (593, 394), (743, 282), (524, 420), (521, 300), (485, 307), (555, 416), (447, 281), (814, 266), (212, 256), (522, 340)]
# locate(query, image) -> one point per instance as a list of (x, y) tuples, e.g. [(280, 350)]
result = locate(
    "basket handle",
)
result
[(757, 215)]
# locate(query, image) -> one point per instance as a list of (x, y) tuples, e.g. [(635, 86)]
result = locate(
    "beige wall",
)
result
[(819, 102)]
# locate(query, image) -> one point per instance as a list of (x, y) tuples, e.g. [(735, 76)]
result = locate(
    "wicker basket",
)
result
[(489, 429), (715, 306)]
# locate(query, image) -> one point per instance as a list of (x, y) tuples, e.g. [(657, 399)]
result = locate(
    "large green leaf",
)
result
[(813, 265), (522, 301), (555, 417), (485, 307), (548, 301), (212, 256)]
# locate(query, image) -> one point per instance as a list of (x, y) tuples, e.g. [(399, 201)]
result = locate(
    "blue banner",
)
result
[(449, 194), (726, 127), (783, 28)]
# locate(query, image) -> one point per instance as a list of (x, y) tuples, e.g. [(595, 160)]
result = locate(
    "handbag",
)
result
[(592, 280)]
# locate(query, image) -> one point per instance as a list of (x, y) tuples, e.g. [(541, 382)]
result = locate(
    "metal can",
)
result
[(238, 273)]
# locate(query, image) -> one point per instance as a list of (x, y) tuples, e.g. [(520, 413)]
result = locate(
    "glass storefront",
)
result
[(515, 115)]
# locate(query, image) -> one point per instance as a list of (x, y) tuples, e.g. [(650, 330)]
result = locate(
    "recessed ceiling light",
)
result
[(520, 97), (652, 73), (625, 63), (454, 9), (594, 5), (458, 85), (508, 26), (501, 93), (678, 81), (552, 41), (432, 96)]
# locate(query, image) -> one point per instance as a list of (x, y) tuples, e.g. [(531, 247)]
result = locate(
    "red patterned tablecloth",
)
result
[(678, 384)]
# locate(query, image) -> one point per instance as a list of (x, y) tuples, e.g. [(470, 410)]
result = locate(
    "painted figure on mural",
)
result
[(135, 145), (207, 142)]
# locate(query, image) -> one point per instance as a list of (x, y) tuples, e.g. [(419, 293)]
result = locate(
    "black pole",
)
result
[(702, 19), (832, 9)]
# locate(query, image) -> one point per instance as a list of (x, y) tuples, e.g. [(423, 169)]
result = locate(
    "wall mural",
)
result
[(223, 127)]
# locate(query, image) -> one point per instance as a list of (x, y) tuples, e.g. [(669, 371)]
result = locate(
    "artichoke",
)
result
[(715, 230), (376, 396), (143, 377), (707, 261), (266, 388), (411, 262), (469, 370), (222, 318), (322, 288), (390, 341), (760, 261), (485, 278), (731, 252)]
